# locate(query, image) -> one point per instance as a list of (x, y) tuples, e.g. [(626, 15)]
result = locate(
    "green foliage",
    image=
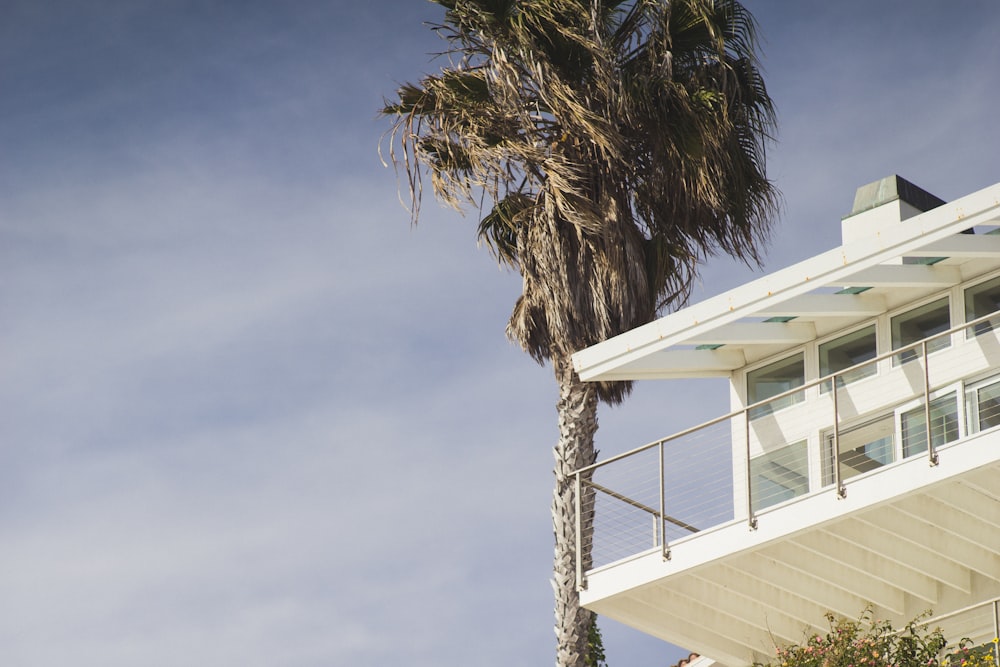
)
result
[(595, 646), (865, 642)]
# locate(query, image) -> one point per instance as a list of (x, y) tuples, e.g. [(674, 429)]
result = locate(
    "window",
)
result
[(846, 351), (779, 475), (981, 300), (944, 425), (983, 404), (863, 448), (918, 324), (774, 379)]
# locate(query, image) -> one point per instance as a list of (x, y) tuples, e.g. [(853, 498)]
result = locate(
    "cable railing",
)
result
[(852, 423)]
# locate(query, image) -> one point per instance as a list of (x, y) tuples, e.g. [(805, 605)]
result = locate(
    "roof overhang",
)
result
[(669, 346)]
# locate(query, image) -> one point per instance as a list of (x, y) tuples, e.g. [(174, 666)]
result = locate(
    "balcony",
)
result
[(875, 485)]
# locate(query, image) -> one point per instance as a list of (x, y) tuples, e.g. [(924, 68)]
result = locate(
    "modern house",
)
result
[(859, 465)]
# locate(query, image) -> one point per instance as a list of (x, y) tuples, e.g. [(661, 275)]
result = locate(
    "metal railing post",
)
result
[(932, 456), (751, 517), (661, 520), (996, 632), (580, 583), (837, 479)]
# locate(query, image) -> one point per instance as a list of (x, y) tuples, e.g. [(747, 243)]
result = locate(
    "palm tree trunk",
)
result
[(577, 408)]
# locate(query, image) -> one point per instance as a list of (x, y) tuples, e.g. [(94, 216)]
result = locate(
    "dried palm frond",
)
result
[(609, 146)]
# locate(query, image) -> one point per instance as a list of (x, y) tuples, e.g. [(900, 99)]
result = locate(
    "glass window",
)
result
[(774, 379), (981, 300), (779, 475), (984, 406), (846, 351), (862, 448), (918, 324), (944, 425)]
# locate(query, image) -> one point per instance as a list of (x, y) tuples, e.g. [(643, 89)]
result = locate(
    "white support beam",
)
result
[(681, 364), (757, 333), (662, 614), (904, 275), (739, 630), (811, 306), (968, 500), (908, 528), (726, 610), (920, 557), (961, 245), (728, 599), (962, 530), (984, 482), (838, 574), (870, 561), (795, 606), (783, 577)]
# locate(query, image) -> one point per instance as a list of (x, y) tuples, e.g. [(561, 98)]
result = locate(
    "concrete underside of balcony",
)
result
[(909, 538)]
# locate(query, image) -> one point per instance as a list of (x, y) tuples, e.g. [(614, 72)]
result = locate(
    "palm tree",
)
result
[(610, 146)]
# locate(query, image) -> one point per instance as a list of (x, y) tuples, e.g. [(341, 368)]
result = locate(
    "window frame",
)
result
[(912, 355), (983, 327), (955, 389), (973, 417), (827, 472), (768, 457), (788, 401), (824, 387)]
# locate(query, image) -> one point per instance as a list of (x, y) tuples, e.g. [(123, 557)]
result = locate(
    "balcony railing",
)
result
[(816, 438)]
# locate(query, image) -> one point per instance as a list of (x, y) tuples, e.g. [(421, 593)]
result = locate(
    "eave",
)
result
[(802, 291)]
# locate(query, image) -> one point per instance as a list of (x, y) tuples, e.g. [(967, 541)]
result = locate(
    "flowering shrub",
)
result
[(965, 655), (867, 642)]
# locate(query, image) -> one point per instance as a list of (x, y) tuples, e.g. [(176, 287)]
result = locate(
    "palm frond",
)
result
[(610, 146)]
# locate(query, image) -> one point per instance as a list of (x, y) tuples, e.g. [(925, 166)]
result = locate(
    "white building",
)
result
[(741, 534)]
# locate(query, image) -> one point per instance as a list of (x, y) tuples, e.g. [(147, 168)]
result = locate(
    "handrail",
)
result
[(654, 443), (701, 510), (807, 385), (636, 504)]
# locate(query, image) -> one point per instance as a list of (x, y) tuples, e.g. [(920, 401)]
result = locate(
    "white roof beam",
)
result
[(827, 305), (961, 245), (681, 364), (905, 275), (757, 333)]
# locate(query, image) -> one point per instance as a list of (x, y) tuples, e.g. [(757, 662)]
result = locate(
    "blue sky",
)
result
[(248, 415)]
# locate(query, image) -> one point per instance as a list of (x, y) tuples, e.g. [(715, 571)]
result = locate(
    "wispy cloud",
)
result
[(247, 415)]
